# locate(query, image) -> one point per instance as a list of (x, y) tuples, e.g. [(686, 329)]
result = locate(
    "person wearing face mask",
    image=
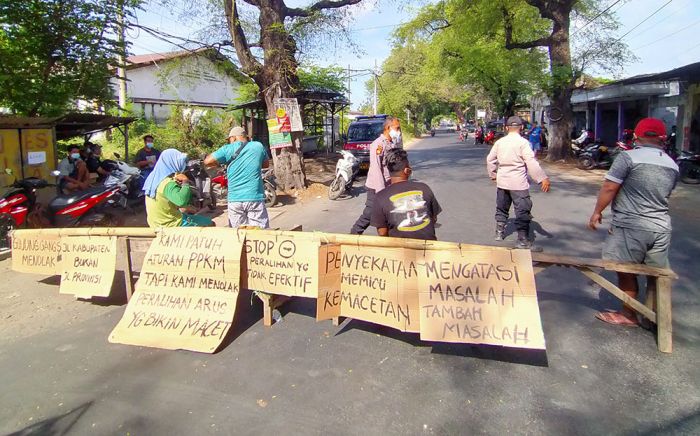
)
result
[(147, 157), (74, 173), (246, 194), (378, 176), (405, 209)]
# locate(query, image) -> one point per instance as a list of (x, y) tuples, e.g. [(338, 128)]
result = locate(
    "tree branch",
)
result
[(249, 64), (318, 6), (508, 28)]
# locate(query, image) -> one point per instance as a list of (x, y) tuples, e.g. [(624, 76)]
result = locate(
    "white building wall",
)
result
[(186, 79)]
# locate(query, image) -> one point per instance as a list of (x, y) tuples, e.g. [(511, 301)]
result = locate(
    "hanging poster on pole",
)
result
[(291, 110), (277, 138)]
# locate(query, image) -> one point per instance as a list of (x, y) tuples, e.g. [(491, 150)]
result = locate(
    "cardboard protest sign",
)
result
[(328, 302), (187, 293), (378, 285), (34, 251), (480, 297), (289, 264), (87, 265)]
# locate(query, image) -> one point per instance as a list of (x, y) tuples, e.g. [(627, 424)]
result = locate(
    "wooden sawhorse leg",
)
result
[(664, 321)]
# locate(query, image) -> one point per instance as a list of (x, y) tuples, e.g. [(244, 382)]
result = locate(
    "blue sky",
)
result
[(666, 40)]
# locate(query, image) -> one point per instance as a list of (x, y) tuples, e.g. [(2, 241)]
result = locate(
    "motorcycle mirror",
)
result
[(117, 155), (55, 173), (8, 171)]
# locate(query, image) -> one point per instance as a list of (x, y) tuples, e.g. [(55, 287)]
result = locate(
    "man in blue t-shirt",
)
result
[(246, 194)]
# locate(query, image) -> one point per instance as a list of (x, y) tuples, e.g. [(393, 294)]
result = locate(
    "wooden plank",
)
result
[(539, 268), (619, 293), (267, 309), (126, 256), (650, 300), (664, 322), (632, 268), (138, 248)]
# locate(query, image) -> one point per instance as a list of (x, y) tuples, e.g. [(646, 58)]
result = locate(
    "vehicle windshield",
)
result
[(365, 132)]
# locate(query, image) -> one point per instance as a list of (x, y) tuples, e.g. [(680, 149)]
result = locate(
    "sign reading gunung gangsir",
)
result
[(34, 251), (480, 297), (187, 292)]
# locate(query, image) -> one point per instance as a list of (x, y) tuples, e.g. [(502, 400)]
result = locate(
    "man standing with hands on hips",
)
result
[(509, 163), (378, 176)]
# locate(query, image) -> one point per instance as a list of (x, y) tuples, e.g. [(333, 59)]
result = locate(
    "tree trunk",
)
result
[(278, 79), (562, 86)]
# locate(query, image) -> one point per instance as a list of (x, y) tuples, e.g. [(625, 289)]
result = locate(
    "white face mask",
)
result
[(395, 135)]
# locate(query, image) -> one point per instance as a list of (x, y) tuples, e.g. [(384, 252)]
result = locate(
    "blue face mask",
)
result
[(149, 145), (75, 156)]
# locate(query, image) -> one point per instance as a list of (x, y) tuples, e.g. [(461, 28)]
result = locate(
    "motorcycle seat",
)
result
[(33, 182), (63, 201)]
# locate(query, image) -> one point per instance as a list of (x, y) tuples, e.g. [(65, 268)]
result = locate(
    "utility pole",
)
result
[(349, 93), (376, 81), (121, 73)]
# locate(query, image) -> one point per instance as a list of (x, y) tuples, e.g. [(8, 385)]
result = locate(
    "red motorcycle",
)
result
[(479, 136), (490, 137), (219, 186), (18, 206)]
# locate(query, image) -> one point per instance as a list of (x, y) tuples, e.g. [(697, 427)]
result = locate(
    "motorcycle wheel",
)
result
[(337, 188), (7, 225), (586, 163), (270, 195), (690, 173)]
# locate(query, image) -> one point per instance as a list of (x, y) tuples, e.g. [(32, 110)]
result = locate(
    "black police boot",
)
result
[(523, 241), (500, 231)]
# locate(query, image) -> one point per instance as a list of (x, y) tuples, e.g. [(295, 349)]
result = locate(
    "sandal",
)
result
[(616, 318)]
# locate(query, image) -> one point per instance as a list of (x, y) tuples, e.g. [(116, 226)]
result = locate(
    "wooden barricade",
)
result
[(134, 242)]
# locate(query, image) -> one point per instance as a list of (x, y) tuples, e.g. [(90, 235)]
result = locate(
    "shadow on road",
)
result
[(487, 352)]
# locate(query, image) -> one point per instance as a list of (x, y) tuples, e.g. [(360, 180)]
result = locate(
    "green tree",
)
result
[(275, 69), (54, 52), (597, 47), (470, 51)]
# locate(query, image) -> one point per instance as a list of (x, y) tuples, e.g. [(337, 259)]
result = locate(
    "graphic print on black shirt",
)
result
[(407, 210)]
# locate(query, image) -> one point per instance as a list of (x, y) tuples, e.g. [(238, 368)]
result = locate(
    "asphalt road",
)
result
[(308, 377)]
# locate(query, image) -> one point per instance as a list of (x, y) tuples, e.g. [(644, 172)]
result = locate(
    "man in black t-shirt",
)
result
[(404, 209)]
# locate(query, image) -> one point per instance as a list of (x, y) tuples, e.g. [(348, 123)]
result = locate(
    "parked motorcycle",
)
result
[(597, 155), (270, 185), (18, 206), (345, 173), (219, 186), (15, 204), (479, 136), (200, 183), (689, 167), (129, 180)]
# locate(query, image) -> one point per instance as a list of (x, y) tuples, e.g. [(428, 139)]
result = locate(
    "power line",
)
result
[(643, 21), (668, 36), (596, 17)]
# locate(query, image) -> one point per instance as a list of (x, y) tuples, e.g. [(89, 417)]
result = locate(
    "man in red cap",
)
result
[(638, 186)]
